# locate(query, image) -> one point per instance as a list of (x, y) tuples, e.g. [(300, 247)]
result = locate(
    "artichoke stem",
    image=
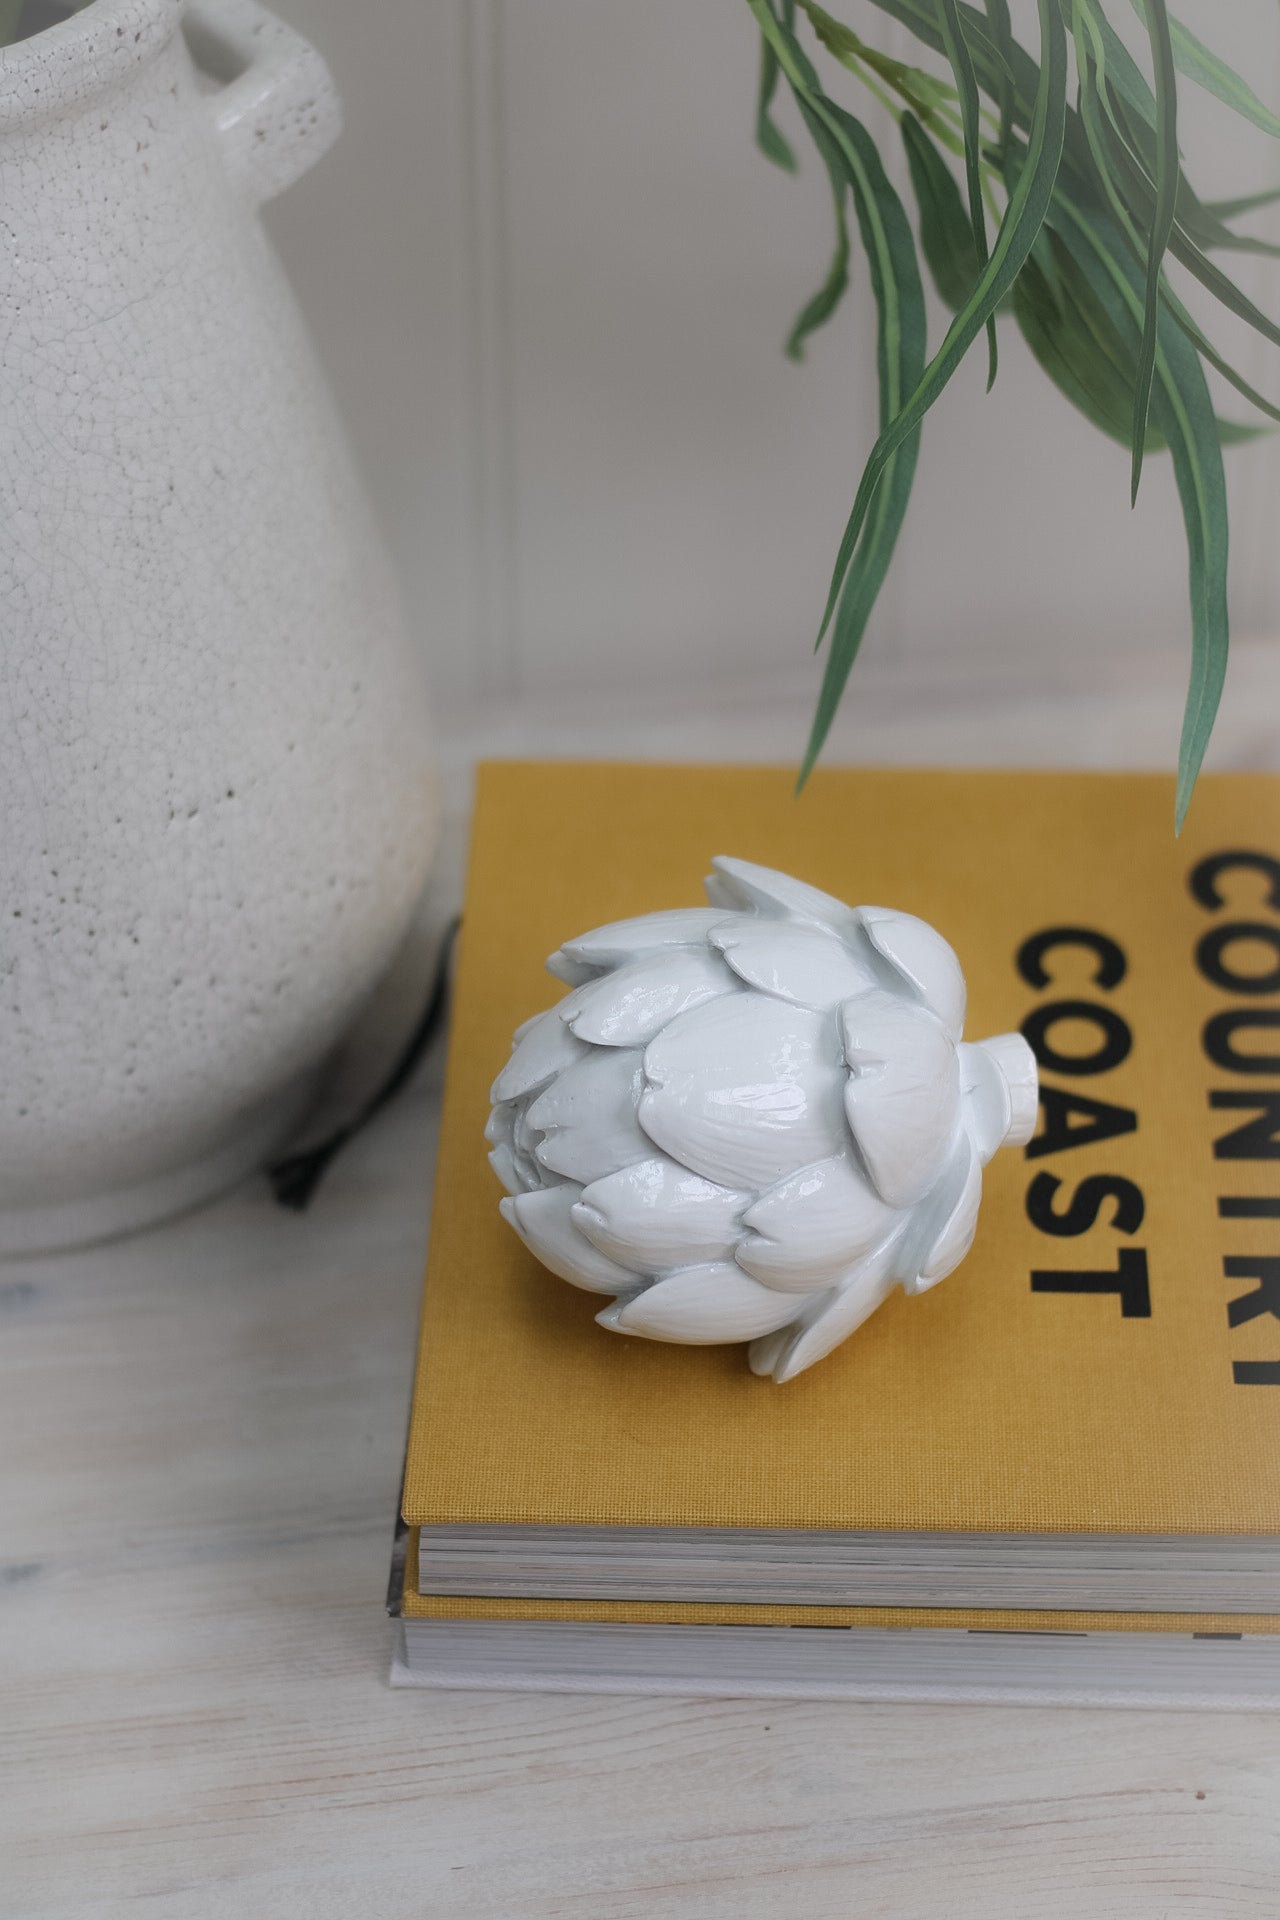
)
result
[(1016, 1065)]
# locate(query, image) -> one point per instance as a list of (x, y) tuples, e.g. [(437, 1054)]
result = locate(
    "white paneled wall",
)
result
[(550, 276)]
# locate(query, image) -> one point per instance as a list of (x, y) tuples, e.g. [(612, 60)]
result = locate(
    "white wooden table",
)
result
[(200, 1434)]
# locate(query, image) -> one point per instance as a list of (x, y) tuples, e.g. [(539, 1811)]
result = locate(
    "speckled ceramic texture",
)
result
[(216, 788)]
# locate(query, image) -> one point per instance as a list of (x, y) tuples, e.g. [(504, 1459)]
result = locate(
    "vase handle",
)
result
[(278, 109)]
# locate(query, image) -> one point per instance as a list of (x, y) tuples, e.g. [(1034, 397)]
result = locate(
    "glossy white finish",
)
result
[(216, 781), (821, 1128), (655, 1215)]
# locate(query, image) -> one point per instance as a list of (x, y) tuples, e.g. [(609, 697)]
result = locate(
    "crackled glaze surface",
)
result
[(216, 787), (751, 1121)]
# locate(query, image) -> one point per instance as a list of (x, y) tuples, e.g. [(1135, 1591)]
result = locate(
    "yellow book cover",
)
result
[(1107, 1358)]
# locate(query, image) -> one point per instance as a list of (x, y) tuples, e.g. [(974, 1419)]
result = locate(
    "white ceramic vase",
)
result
[(217, 804)]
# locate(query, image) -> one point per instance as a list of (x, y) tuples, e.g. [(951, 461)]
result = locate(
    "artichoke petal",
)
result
[(703, 1306), (525, 1138), (543, 1221), (902, 1097), (625, 940), (504, 1163), (655, 1215), (923, 959), (574, 973), (744, 1090), (763, 1353), (512, 1157), (812, 1226), (953, 1231), (544, 1048), (828, 1319), (587, 1116), (626, 1007), (740, 883), (805, 963), (723, 894)]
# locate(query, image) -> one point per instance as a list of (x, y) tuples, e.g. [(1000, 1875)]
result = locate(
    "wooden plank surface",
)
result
[(200, 1432)]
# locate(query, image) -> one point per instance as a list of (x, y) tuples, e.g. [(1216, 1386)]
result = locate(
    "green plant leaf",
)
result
[(1214, 75), (1123, 143), (1113, 166), (1207, 351), (1197, 465), (1247, 203), (1167, 174), (1072, 337), (1126, 178), (1131, 144), (967, 87), (1132, 209), (946, 236), (1114, 58), (900, 354), (1201, 224), (824, 302), (1184, 411), (1129, 159), (1042, 325), (1097, 204), (1223, 289), (770, 139), (997, 12), (932, 99), (995, 63), (1018, 229), (849, 154)]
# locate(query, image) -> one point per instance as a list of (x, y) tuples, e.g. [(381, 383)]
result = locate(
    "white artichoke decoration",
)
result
[(750, 1121)]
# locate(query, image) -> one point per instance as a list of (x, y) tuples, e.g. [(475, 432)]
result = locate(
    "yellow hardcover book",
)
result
[(1082, 1424)]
